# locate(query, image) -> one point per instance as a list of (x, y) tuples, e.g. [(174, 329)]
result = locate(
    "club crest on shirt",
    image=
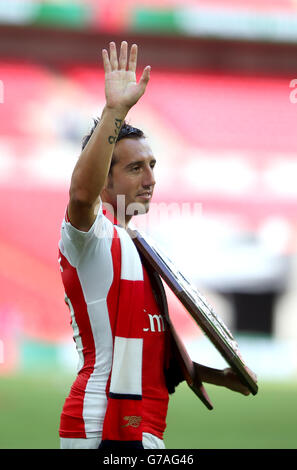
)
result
[(133, 421)]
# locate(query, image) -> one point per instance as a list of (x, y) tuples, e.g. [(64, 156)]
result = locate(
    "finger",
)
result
[(113, 56), (106, 63), (243, 390), (123, 55), (133, 58), (144, 79)]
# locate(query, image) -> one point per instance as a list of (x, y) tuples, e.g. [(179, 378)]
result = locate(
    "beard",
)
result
[(137, 208)]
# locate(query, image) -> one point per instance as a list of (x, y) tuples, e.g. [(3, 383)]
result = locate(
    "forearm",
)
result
[(92, 168), (225, 378), (210, 375)]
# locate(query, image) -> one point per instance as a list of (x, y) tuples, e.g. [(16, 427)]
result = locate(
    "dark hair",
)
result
[(126, 132)]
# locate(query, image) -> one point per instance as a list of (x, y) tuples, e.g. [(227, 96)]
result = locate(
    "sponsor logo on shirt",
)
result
[(156, 323)]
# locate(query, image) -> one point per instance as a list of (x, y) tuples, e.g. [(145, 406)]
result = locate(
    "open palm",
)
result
[(121, 88)]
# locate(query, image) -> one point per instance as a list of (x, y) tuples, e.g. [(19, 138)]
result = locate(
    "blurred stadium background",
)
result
[(220, 113)]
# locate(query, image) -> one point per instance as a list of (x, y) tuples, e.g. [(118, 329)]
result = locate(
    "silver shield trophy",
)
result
[(197, 306)]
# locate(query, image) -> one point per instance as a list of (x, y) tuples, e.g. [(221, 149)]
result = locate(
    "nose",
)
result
[(148, 180)]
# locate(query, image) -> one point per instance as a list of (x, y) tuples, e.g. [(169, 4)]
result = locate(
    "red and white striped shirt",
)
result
[(97, 272)]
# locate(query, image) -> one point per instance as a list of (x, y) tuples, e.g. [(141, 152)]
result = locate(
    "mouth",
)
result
[(146, 195)]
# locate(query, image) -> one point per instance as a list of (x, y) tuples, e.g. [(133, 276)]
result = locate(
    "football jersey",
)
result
[(90, 264)]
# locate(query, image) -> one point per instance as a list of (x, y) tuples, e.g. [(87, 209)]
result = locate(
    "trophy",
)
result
[(200, 310)]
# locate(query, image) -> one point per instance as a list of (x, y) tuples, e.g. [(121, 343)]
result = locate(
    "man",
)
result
[(126, 365)]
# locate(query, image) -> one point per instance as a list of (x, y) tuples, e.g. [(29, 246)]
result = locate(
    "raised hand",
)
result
[(121, 89)]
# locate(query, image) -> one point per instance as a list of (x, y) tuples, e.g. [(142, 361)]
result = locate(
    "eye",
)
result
[(135, 168), (153, 165)]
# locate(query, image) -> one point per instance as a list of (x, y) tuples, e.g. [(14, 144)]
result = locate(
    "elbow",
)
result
[(81, 197)]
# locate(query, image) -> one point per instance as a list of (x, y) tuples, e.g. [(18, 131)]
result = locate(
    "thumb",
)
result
[(144, 79)]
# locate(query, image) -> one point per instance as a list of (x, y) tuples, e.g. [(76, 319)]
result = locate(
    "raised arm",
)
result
[(121, 92)]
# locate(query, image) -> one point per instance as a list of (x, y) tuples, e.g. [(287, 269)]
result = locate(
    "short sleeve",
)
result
[(73, 241)]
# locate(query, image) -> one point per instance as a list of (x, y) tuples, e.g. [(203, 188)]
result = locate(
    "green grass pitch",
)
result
[(30, 405)]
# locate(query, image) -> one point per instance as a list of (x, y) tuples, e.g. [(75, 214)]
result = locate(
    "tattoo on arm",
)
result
[(118, 124)]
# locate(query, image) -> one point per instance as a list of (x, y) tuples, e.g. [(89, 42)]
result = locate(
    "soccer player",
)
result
[(126, 366)]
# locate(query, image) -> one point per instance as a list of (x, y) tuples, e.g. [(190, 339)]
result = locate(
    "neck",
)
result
[(125, 222), (119, 215)]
